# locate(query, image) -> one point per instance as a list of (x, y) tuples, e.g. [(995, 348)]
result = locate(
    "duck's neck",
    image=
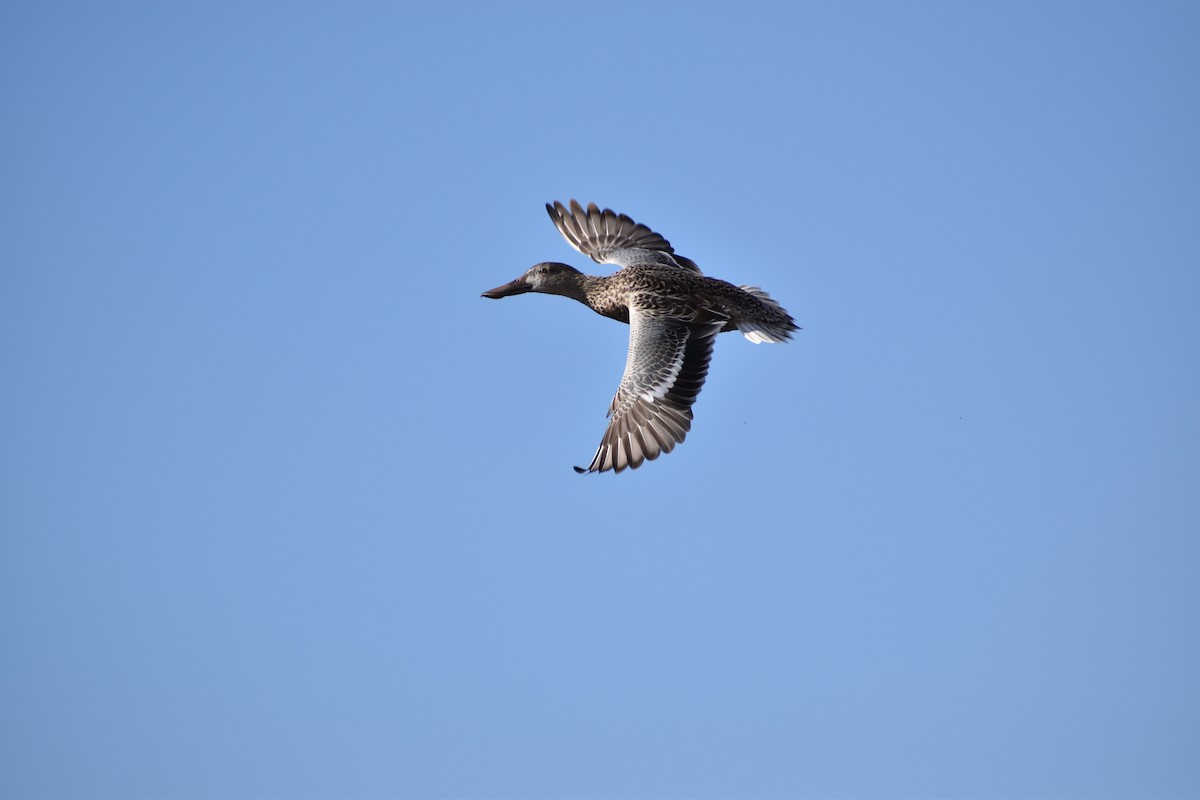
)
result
[(595, 293)]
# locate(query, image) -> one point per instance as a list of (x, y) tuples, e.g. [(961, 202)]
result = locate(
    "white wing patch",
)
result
[(655, 356)]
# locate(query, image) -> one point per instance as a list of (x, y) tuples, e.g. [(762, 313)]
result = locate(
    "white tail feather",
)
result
[(761, 332)]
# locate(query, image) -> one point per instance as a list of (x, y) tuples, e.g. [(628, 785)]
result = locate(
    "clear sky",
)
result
[(287, 509)]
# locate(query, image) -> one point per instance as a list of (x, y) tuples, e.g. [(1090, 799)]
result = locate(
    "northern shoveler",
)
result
[(674, 314)]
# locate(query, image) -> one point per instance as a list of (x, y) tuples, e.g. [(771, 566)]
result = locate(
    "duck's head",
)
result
[(549, 277)]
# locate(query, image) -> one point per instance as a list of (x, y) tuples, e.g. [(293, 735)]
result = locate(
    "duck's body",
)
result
[(674, 313)]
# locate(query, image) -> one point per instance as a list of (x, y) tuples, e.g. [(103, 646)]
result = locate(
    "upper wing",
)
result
[(652, 410), (607, 237)]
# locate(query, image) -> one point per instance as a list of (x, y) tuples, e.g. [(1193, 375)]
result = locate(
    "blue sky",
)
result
[(287, 510)]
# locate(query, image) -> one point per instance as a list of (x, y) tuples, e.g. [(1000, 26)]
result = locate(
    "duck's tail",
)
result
[(769, 322)]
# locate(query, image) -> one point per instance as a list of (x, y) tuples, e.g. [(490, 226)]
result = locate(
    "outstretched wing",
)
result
[(607, 237), (652, 410)]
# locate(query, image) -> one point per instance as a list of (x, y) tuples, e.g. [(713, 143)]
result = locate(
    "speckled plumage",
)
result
[(674, 313)]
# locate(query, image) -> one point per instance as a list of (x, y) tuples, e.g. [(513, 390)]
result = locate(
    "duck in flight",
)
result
[(674, 314)]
